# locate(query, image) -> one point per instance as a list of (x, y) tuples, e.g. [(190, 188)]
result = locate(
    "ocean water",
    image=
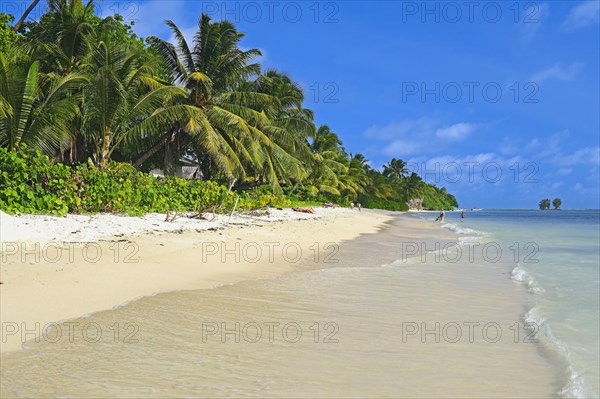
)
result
[(557, 259), (419, 309)]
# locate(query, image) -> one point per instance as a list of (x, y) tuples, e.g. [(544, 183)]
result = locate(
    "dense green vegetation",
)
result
[(7, 34), (105, 107), (31, 182)]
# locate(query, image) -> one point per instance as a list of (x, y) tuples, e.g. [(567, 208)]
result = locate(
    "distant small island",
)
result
[(545, 204)]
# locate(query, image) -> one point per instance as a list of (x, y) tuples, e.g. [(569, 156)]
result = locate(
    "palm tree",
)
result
[(329, 163), (224, 133), (381, 187), (289, 125), (123, 103), (60, 38), (34, 107), (356, 181), (556, 203), (544, 204), (414, 188), (396, 169), (33, 4)]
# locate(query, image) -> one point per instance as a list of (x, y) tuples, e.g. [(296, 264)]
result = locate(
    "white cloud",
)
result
[(588, 155), (471, 172), (548, 146), (404, 147), (508, 146), (456, 132), (399, 129), (411, 137), (557, 72), (582, 15)]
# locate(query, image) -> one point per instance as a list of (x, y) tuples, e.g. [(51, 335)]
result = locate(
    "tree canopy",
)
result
[(81, 89), (544, 204)]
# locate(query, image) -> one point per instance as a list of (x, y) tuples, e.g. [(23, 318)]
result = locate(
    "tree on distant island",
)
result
[(545, 204), (556, 203)]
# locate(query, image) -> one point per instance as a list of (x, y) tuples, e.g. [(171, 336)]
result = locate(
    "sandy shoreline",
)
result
[(386, 315), (55, 269)]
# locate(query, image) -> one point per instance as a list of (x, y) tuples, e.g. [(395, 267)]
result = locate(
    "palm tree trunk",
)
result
[(169, 163), (166, 138), (24, 16), (105, 153), (205, 166), (294, 188)]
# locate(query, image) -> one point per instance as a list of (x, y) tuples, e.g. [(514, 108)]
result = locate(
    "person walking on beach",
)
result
[(352, 205), (359, 206), (441, 217)]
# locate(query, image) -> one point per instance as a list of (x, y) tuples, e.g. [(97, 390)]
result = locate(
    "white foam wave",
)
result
[(466, 240), (521, 276), (463, 230), (576, 387), (533, 316)]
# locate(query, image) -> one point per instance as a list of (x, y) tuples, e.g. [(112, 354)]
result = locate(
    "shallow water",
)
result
[(371, 324), (558, 261)]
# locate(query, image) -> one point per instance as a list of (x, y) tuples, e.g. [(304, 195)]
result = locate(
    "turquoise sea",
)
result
[(557, 258)]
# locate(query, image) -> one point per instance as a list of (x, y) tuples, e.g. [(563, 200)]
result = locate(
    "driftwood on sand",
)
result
[(258, 212), (304, 210)]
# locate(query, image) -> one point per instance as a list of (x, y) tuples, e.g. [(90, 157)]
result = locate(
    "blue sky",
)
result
[(497, 101)]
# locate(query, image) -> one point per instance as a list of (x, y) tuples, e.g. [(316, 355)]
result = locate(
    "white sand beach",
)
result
[(384, 313), (58, 268)]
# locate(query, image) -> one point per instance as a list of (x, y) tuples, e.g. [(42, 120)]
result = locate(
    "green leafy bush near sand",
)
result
[(387, 205), (31, 183), (34, 183)]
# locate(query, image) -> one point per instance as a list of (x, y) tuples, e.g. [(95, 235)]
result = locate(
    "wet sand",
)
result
[(361, 325)]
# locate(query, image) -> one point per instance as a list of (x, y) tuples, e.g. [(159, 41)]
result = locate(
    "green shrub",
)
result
[(33, 183), (387, 205)]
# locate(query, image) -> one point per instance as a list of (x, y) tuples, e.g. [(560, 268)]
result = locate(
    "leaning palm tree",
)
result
[(29, 9), (330, 162), (356, 181), (224, 135), (123, 103), (34, 107), (381, 187), (288, 128)]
